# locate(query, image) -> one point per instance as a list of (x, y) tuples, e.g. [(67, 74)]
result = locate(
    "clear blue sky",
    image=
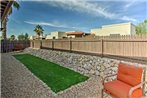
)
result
[(70, 15)]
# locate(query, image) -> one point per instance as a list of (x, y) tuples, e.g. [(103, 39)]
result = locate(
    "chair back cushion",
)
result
[(18, 46), (129, 74)]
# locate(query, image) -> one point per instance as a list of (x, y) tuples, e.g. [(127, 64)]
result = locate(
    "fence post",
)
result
[(70, 45), (40, 44), (102, 45), (52, 44), (32, 43)]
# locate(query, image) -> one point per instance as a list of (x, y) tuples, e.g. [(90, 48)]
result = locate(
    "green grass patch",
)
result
[(58, 78)]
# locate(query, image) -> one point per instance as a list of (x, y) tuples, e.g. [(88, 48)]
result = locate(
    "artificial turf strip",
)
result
[(58, 78)]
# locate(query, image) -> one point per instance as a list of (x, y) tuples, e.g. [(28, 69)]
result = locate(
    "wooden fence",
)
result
[(8, 46), (130, 46)]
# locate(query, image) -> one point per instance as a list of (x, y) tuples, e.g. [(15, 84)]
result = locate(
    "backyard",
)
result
[(73, 49), (19, 82), (55, 76), (41, 73)]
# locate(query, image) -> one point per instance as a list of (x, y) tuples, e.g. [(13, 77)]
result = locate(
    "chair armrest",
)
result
[(107, 77), (135, 87)]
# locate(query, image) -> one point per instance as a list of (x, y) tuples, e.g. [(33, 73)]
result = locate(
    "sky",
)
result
[(73, 15)]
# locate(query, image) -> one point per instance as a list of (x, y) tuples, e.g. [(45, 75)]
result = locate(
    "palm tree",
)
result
[(39, 30), (26, 36), (141, 28), (15, 5), (12, 37)]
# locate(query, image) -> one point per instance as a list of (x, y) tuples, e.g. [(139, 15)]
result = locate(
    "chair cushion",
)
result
[(18, 46), (129, 74), (119, 89)]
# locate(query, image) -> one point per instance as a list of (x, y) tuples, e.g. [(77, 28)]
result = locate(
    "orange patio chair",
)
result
[(130, 82)]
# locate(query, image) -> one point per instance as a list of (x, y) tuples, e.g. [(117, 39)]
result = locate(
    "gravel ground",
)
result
[(19, 82)]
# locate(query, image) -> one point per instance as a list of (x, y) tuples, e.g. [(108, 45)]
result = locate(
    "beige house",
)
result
[(115, 29), (56, 35)]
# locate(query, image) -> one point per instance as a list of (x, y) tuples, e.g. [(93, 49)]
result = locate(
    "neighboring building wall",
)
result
[(74, 36), (61, 35), (49, 37), (122, 29), (56, 35), (36, 37), (133, 29), (71, 36)]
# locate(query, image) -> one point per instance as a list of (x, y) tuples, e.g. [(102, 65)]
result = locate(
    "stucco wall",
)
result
[(133, 29), (57, 35), (49, 37), (122, 29), (71, 36), (61, 35)]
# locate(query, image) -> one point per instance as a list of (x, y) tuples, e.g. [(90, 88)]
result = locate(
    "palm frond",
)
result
[(10, 11), (38, 29), (16, 5)]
